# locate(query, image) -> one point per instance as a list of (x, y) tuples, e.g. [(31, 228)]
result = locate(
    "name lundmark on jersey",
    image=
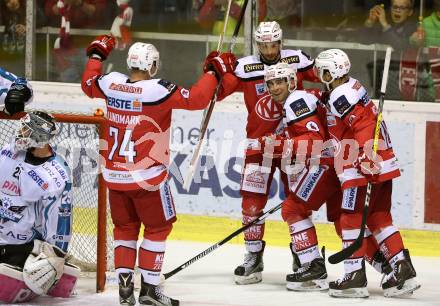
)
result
[(123, 119)]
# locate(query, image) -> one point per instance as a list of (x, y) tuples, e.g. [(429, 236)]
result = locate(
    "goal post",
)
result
[(79, 140)]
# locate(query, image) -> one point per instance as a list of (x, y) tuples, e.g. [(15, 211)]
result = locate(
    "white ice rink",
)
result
[(209, 282)]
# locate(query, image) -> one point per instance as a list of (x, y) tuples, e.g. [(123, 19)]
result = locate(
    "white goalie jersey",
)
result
[(35, 200)]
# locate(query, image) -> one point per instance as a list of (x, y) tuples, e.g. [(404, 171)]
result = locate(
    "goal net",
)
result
[(77, 140)]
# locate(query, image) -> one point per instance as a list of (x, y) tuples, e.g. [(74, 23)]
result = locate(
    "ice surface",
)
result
[(209, 281)]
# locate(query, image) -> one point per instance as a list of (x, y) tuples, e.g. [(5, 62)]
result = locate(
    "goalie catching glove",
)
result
[(220, 63), (18, 95), (101, 47), (44, 267)]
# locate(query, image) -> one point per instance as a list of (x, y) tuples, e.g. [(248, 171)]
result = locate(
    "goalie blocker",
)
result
[(45, 271)]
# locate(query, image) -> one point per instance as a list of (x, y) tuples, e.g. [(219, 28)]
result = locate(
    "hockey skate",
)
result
[(402, 280), (126, 289), (351, 285), (153, 295), (250, 271), (312, 276)]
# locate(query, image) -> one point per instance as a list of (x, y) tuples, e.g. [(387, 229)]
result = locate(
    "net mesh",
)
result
[(78, 143)]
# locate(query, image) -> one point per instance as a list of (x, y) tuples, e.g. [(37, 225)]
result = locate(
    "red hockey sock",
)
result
[(125, 255), (151, 254), (304, 240), (391, 244)]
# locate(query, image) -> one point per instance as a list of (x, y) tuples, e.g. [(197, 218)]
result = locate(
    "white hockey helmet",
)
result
[(281, 70), (269, 31), (36, 130), (335, 61), (143, 56)]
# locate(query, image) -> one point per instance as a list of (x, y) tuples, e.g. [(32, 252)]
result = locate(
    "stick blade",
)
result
[(345, 253)]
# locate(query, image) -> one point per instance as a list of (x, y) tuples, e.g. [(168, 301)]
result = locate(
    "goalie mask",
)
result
[(143, 57), (335, 61), (36, 130), (281, 71)]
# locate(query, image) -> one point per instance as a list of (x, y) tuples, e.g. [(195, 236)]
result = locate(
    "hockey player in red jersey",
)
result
[(264, 117), (351, 121), (139, 109), (312, 179)]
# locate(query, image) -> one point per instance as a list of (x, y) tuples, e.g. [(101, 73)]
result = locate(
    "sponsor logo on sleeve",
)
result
[(167, 84), (253, 67), (299, 107), (341, 105), (185, 93), (294, 59)]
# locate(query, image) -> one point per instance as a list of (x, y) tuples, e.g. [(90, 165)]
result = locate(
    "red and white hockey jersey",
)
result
[(264, 115), (352, 116), (138, 123)]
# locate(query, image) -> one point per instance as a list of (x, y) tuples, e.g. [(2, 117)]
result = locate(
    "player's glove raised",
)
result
[(18, 94), (101, 46), (220, 63), (368, 167)]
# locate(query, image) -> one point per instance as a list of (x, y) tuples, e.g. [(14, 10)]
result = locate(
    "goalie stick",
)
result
[(208, 113), (348, 251), (220, 243)]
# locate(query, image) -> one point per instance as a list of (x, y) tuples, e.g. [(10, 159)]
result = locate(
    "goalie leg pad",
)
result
[(65, 286), (13, 289)]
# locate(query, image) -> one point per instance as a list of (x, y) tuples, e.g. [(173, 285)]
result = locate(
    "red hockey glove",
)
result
[(101, 46), (367, 167), (220, 64)]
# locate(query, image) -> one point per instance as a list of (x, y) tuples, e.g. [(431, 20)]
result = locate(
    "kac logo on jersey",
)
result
[(267, 109), (126, 105), (260, 89)]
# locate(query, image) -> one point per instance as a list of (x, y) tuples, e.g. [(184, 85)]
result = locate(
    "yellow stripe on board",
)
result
[(214, 229)]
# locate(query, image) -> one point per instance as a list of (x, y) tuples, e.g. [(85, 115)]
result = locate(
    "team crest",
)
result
[(268, 110)]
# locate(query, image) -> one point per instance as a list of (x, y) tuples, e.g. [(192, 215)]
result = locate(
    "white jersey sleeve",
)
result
[(345, 97), (6, 79), (299, 105)]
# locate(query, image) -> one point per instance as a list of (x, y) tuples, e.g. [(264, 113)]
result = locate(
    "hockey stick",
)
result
[(348, 251), (220, 243), (207, 117)]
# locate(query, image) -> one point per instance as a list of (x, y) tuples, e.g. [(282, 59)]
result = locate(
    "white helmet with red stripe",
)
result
[(268, 32), (279, 71), (143, 56), (335, 61)]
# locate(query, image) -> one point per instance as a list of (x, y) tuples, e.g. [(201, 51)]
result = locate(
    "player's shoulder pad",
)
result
[(299, 105), (249, 68), (344, 97), (156, 91), (297, 58)]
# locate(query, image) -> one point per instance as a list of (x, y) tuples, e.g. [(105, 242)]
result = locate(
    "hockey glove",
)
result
[(220, 64), (44, 267), (368, 167), (18, 94), (101, 46)]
